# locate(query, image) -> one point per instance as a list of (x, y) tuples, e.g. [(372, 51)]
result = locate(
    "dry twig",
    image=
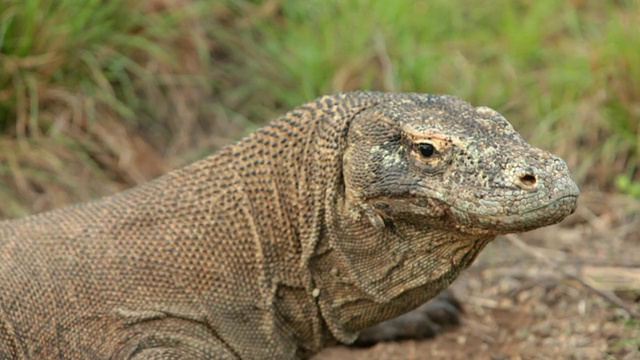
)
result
[(605, 294)]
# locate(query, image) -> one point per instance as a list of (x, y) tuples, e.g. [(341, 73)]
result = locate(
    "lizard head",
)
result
[(426, 182), (442, 163)]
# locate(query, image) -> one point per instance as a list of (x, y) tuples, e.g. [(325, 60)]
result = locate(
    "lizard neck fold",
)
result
[(335, 240), (288, 171), (365, 275)]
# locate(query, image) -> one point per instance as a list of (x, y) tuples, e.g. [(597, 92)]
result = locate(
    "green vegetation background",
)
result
[(96, 96)]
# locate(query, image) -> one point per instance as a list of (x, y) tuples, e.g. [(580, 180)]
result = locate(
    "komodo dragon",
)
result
[(347, 211)]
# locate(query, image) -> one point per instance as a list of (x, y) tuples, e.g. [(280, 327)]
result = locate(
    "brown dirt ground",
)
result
[(546, 294)]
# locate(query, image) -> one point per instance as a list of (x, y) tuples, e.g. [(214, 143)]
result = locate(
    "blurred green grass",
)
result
[(180, 76), (567, 74)]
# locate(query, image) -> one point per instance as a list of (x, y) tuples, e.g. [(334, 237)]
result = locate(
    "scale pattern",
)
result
[(345, 212)]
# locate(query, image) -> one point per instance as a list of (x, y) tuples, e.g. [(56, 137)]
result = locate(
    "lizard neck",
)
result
[(364, 275), (287, 172), (403, 263)]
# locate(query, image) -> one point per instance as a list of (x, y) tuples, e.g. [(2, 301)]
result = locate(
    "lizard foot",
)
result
[(435, 316)]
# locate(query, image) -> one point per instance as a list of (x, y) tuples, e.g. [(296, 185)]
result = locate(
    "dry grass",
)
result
[(95, 97), (117, 94)]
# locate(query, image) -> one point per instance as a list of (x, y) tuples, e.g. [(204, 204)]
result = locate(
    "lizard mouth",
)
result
[(548, 214), (568, 201)]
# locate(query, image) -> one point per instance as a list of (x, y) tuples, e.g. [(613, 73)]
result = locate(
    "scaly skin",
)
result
[(345, 212)]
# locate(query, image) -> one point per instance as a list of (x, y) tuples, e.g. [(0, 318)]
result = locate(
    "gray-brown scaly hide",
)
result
[(324, 222)]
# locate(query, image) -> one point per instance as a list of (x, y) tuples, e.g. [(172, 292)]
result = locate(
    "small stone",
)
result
[(461, 340), (315, 293)]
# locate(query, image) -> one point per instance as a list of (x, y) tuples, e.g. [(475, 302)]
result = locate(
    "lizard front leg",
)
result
[(436, 315), (162, 335)]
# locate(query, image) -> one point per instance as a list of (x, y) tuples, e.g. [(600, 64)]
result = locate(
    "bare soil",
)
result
[(564, 292)]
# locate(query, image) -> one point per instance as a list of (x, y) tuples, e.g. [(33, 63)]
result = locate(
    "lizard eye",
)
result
[(426, 150)]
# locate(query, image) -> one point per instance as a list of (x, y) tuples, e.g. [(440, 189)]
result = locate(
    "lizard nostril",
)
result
[(528, 179)]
